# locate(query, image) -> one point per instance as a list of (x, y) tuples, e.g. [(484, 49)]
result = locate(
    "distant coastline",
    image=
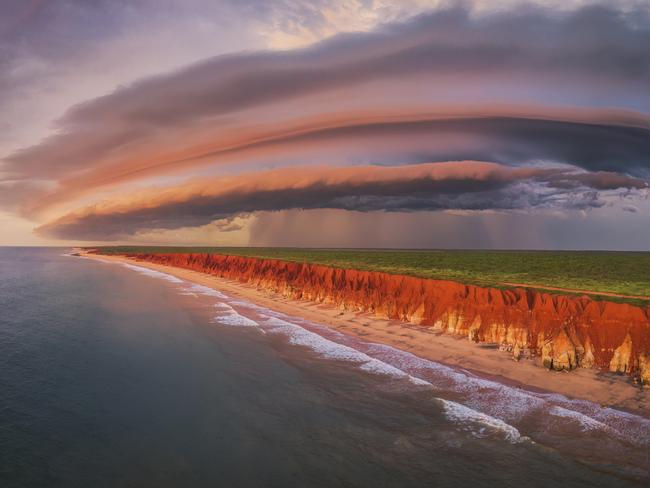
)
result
[(604, 388)]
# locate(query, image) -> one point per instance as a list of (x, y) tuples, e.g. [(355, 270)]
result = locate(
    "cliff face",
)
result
[(568, 332)]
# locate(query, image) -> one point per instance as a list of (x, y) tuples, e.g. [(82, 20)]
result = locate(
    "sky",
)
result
[(360, 123)]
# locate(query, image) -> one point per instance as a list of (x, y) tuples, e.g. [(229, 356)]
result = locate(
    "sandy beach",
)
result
[(604, 388)]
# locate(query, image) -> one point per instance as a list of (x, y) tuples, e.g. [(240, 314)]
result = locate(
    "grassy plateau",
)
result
[(624, 273)]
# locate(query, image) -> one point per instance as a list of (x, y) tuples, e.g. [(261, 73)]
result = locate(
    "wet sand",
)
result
[(604, 388)]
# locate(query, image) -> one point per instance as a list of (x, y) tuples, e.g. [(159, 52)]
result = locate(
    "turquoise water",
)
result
[(116, 376)]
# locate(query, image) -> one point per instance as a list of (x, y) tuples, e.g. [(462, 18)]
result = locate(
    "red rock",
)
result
[(571, 331)]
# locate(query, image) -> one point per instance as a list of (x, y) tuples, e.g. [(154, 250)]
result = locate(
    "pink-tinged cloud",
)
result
[(594, 138), (530, 90), (466, 185), (401, 80)]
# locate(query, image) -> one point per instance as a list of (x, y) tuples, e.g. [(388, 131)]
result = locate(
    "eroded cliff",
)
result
[(566, 331)]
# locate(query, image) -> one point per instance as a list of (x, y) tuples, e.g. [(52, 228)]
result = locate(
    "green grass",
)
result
[(626, 273)]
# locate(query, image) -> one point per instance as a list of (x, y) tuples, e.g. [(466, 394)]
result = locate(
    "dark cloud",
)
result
[(523, 87), (594, 41), (593, 139), (594, 48), (600, 180), (630, 208), (227, 225), (426, 187), (610, 143)]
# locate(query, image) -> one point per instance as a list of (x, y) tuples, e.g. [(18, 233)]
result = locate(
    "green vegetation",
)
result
[(625, 273)]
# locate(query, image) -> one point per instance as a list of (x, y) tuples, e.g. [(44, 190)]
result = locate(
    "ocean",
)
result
[(114, 375)]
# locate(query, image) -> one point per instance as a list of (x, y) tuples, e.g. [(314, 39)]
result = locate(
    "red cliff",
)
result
[(566, 331)]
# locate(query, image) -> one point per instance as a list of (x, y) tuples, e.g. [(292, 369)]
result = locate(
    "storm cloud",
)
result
[(595, 52), (373, 121), (467, 185), (597, 140)]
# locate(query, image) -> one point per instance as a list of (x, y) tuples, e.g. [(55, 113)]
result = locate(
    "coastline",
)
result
[(604, 388)]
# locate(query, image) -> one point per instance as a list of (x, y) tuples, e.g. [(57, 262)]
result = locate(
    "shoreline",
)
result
[(484, 360)]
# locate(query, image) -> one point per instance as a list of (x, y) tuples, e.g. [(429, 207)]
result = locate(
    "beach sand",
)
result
[(604, 388)]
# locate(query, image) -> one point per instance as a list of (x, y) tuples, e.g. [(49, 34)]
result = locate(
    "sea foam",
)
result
[(462, 414), (586, 422), (298, 335), (153, 273), (235, 319), (484, 401)]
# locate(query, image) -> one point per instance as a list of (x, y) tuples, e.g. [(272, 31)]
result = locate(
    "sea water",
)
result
[(116, 375)]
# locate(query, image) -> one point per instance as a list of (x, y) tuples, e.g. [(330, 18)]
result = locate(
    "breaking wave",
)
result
[(465, 415), (298, 335), (487, 405), (153, 273)]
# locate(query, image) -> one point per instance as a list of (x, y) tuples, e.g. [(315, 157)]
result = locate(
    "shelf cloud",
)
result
[(592, 52), (466, 185), (557, 100)]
